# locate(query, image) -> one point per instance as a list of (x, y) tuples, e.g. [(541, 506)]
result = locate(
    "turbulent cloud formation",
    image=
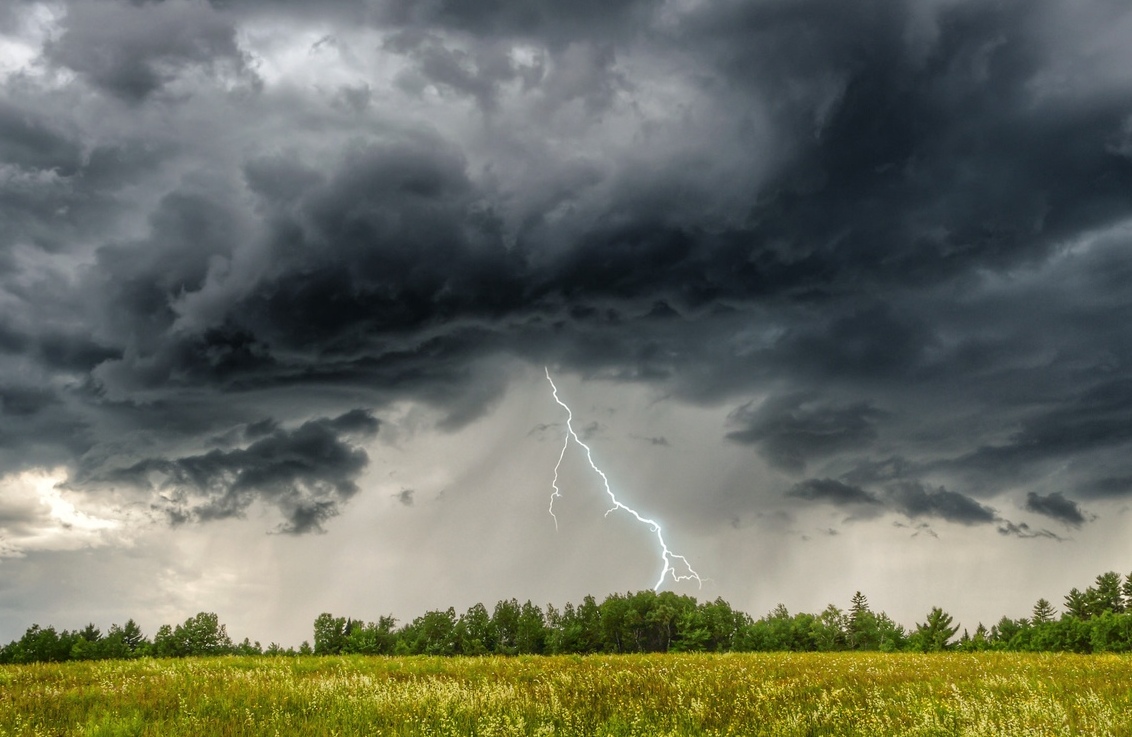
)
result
[(914, 501), (307, 473), (791, 430), (881, 250), (134, 51)]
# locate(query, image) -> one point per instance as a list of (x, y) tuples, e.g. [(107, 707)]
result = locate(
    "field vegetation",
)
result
[(657, 694)]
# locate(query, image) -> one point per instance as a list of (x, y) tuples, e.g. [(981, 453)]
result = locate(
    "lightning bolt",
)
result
[(667, 556)]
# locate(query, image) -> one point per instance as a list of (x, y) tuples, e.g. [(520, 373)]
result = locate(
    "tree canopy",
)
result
[(1096, 619)]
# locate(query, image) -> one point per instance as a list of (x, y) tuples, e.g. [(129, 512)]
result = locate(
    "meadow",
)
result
[(668, 694)]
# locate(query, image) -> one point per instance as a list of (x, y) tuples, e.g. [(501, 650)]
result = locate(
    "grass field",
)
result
[(756, 694)]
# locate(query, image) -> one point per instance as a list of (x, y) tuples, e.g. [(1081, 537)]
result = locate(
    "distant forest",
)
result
[(1098, 619)]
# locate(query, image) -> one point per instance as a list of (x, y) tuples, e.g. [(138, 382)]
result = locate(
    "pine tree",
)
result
[(858, 606), (1043, 612), (862, 632), (936, 633), (1105, 595), (1076, 604)]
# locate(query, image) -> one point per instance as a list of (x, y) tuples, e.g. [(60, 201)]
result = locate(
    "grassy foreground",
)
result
[(747, 694)]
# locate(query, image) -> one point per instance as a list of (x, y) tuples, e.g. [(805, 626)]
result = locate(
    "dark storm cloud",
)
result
[(1056, 506), (916, 500), (1089, 423), (477, 74), (389, 243), (306, 473), (911, 499), (1109, 486), (57, 189), (544, 19), (1023, 530), (831, 491), (932, 150), (133, 50), (31, 142), (870, 343), (793, 430), (907, 188), (24, 402)]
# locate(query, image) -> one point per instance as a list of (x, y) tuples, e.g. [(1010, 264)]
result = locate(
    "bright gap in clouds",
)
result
[(38, 514)]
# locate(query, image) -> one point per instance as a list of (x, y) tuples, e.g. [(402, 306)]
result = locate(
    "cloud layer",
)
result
[(892, 239)]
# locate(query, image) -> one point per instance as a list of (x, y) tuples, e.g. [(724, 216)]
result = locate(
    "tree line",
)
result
[(1098, 619)]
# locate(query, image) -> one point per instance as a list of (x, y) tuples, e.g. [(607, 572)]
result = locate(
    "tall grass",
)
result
[(734, 694)]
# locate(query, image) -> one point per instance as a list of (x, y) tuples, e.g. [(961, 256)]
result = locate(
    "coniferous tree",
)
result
[(862, 633), (1077, 604), (935, 634), (1043, 612), (1105, 595)]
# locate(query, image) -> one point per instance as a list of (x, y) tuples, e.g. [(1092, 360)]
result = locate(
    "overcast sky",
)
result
[(839, 293)]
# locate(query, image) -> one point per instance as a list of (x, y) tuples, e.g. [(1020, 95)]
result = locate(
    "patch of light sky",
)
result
[(37, 514), (20, 48)]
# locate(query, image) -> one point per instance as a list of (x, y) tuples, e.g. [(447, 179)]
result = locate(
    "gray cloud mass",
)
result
[(886, 244)]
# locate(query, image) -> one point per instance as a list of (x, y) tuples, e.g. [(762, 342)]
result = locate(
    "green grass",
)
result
[(756, 694)]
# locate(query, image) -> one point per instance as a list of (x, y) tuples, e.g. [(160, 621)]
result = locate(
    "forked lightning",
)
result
[(667, 556)]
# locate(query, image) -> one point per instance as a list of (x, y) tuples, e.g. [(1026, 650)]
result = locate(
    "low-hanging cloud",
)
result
[(306, 473), (1056, 506), (833, 492), (792, 430)]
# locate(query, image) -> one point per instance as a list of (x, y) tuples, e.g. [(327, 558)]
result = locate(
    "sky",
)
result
[(840, 294)]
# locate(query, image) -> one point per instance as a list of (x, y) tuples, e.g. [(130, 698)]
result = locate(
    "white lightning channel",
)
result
[(667, 556)]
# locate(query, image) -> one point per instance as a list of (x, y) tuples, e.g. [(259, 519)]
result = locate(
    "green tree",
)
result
[(374, 638), (88, 644), (890, 635), (1077, 604), (329, 634), (132, 635), (202, 634), (474, 632), (935, 634), (165, 645), (505, 623), (1110, 632), (830, 629), (773, 632), (589, 623), (435, 633), (861, 631), (1043, 612), (42, 645), (247, 647), (530, 630), (1105, 595), (617, 624)]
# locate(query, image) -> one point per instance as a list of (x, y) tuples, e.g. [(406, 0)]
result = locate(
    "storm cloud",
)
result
[(307, 473), (1057, 507), (832, 492), (879, 253), (793, 429)]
